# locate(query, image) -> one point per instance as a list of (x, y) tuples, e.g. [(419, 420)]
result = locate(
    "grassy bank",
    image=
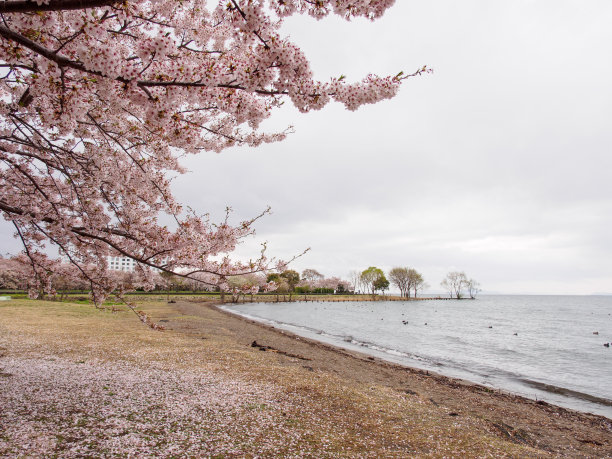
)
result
[(76, 381)]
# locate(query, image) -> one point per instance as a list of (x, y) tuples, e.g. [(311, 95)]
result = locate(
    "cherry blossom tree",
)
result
[(99, 100), (333, 283), (239, 286), (10, 274), (343, 287), (311, 275)]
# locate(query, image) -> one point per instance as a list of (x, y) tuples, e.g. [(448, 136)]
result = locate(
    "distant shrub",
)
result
[(323, 290)]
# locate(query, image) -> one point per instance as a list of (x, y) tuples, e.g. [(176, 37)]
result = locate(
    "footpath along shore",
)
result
[(75, 381)]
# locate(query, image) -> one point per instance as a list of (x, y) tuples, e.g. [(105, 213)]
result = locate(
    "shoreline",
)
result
[(365, 357), (380, 355), (521, 420)]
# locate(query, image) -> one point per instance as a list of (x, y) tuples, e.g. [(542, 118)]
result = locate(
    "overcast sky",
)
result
[(498, 164)]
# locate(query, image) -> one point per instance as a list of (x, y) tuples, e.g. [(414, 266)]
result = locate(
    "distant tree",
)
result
[(369, 277), (277, 284), (381, 284), (303, 289), (355, 279), (304, 286), (473, 288), (455, 282), (236, 285), (400, 277), (16, 272), (416, 282), (202, 282), (446, 286), (171, 281), (343, 286), (273, 277), (248, 284), (329, 282), (311, 275), (292, 278), (9, 274)]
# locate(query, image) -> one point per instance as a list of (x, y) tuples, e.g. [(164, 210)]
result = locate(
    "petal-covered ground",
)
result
[(88, 408)]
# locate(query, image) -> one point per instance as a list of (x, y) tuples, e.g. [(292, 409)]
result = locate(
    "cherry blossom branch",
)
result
[(44, 52), (75, 229), (83, 232)]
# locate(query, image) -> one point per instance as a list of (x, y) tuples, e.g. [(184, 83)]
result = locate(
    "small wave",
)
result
[(456, 340), (566, 392), (387, 350)]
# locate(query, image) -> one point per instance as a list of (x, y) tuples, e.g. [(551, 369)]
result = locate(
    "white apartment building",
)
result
[(125, 264), (121, 264)]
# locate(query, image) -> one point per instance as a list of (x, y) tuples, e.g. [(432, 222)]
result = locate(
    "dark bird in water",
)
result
[(405, 322), (596, 333), (607, 344), (516, 334), (490, 326)]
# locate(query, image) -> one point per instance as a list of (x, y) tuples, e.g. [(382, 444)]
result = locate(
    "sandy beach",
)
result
[(75, 381)]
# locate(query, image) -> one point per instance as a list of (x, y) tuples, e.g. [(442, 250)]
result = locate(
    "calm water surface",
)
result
[(543, 347)]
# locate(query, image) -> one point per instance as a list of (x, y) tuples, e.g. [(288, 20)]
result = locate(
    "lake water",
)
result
[(543, 347)]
